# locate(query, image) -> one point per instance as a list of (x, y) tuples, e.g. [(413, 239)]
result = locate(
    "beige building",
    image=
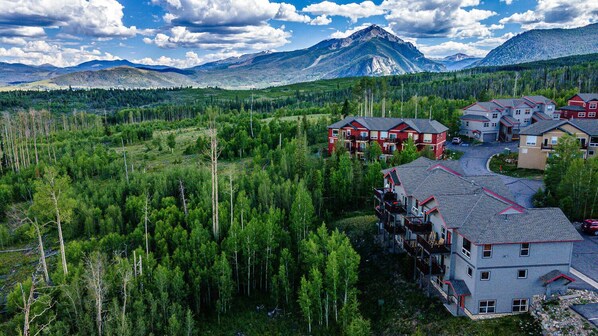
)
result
[(538, 140)]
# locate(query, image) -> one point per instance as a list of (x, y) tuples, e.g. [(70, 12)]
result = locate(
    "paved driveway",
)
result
[(473, 161)]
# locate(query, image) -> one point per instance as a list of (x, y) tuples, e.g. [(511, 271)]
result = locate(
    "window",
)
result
[(466, 250), (554, 140), (524, 251), (487, 252), (467, 123), (443, 233), (485, 276), (517, 112), (527, 111), (486, 124), (592, 106), (470, 271), (488, 306), (522, 274), (334, 132), (581, 115), (591, 153), (494, 124), (519, 305), (526, 120), (331, 140), (364, 134), (594, 141), (374, 135), (531, 140), (427, 137), (591, 114), (348, 132), (494, 115), (384, 135)]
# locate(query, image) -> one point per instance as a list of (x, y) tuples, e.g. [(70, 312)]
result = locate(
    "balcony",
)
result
[(394, 207), (423, 265), (384, 194), (381, 214), (411, 247), (362, 138), (394, 229), (552, 147), (418, 225), (434, 248), (392, 140)]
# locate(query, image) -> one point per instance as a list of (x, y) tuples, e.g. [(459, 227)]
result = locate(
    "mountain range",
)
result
[(372, 51)]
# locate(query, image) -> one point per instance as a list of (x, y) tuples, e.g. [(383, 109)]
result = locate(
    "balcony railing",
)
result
[(437, 247), (411, 247), (552, 147), (417, 224), (423, 265), (392, 140), (394, 229), (381, 214), (362, 138), (394, 207)]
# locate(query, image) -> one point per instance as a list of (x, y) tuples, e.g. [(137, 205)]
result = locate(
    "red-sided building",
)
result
[(390, 133), (581, 106)]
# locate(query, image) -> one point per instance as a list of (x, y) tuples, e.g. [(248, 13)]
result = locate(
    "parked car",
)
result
[(457, 141), (590, 226)]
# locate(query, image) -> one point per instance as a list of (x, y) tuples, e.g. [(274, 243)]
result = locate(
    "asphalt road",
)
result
[(473, 162)]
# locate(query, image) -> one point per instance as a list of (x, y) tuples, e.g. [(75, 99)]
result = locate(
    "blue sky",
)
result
[(185, 33)]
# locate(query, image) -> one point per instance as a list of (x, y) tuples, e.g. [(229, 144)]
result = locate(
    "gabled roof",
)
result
[(474, 117), (587, 96), (509, 121), (385, 124), (459, 287), (481, 208), (573, 108), (542, 126), (513, 102), (589, 126), (541, 116), (553, 276), (529, 226), (539, 99)]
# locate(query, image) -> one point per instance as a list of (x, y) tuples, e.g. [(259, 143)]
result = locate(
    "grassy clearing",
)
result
[(506, 164), (453, 154), (406, 309)]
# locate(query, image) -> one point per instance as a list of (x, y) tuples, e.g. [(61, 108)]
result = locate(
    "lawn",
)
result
[(506, 164)]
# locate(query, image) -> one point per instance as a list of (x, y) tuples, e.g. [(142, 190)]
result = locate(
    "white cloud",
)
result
[(437, 18), (507, 2), (556, 14), (353, 11), (321, 20), (451, 48), (191, 59), (250, 37), (217, 24), (98, 18), (41, 52)]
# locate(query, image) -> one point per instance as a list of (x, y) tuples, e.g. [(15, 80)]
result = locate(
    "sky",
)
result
[(186, 33)]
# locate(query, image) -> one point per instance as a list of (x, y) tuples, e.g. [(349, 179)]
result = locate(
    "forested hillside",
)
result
[(172, 212)]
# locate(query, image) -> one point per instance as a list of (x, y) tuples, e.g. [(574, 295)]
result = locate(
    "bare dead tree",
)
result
[(214, 153), (145, 222), (94, 276), (35, 298), (17, 217), (126, 275), (182, 192), (125, 158)]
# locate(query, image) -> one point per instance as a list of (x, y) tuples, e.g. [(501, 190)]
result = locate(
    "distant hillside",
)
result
[(369, 52), (543, 44), (122, 77), (457, 61)]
